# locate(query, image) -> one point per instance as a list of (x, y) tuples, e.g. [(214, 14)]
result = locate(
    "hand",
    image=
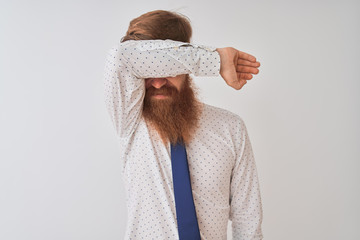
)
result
[(237, 67)]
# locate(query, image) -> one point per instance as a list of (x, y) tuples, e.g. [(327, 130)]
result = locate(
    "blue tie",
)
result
[(185, 209)]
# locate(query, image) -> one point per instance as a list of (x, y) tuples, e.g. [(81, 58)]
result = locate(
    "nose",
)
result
[(158, 82)]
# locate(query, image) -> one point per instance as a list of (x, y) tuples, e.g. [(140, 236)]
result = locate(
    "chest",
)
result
[(210, 155)]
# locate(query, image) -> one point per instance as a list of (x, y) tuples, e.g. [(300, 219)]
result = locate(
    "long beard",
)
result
[(176, 117)]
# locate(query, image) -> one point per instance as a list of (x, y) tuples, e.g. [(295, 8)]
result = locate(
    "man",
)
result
[(152, 104)]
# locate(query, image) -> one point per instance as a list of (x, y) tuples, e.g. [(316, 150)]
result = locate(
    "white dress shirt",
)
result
[(221, 163)]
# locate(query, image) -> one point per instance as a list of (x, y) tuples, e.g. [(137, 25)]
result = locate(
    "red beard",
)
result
[(176, 117)]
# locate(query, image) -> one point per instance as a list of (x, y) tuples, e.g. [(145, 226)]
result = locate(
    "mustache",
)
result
[(164, 90)]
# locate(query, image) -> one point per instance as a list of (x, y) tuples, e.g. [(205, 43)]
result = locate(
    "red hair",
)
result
[(159, 24)]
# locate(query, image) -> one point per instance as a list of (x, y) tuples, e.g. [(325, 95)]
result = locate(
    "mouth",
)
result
[(160, 96)]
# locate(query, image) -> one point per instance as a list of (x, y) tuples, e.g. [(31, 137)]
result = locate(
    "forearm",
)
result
[(167, 58)]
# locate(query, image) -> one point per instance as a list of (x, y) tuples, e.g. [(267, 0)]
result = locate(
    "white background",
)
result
[(60, 170)]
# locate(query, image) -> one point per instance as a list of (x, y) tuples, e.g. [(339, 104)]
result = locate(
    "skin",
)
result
[(157, 83), (236, 68)]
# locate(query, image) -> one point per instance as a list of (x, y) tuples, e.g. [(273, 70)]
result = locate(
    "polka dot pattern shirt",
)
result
[(221, 162)]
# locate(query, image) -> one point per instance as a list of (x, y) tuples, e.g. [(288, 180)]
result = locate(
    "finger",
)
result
[(248, 63), (235, 84), (231, 79), (245, 76), (245, 69), (238, 84), (242, 83), (246, 56)]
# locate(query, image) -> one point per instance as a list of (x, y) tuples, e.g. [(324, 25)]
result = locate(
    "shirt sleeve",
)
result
[(128, 63), (245, 199)]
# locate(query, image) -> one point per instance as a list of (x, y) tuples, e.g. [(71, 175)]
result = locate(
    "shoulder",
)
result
[(218, 125), (222, 121), (219, 114)]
